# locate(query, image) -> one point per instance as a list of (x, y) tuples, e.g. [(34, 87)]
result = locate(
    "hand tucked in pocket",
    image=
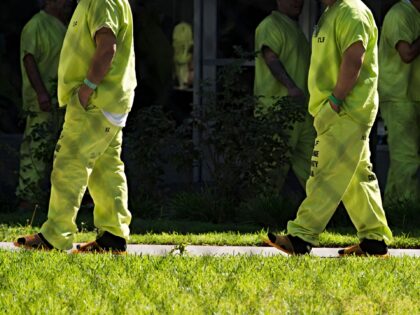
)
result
[(84, 94)]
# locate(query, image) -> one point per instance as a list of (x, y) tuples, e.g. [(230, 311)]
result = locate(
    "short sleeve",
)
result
[(29, 40), (103, 13), (352, 27), (398, 29), (267, 35)]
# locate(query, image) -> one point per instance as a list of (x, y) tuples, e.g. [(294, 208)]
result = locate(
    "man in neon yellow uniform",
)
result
[(399, 92), (343, 100), (182, 42), (96, 80), (281, 69), (41, 41)]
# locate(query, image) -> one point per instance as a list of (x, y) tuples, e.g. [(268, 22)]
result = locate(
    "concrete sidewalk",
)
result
[(192, 250)]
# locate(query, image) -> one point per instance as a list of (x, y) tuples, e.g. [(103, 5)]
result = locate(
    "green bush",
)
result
[(272, 211), (147, 148), (238, 148), (403, 213), (201, 206)]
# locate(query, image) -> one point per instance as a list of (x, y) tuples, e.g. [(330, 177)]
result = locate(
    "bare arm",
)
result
[(106, 45), (350, 67), (35, 79), (408, 52), (279, 72)]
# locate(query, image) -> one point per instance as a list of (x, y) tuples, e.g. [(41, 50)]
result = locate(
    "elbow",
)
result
[(407, 56), (106, 52), (407, 59), (110, 52)]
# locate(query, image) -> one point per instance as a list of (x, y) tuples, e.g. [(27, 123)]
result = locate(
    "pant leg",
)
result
[(301, 142), (302, 151), (35, 154), (108, 188), (363, 202), (402, 121), (336, 154), (85, 137)]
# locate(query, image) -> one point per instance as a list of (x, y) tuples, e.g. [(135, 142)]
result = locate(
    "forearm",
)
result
[(279, 72), (347, 78), (409, 52), (350, 68), (33, 74), (101, 63)]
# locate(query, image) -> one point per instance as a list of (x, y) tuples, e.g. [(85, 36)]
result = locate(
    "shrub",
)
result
[(238, 148)]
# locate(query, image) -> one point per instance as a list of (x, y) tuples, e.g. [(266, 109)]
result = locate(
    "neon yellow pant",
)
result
[(301, 143), (402, 121), (87, 155), (341, 171), (36, 155)]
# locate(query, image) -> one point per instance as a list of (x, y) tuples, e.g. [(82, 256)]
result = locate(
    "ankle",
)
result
[(300, 246), (45, 241)]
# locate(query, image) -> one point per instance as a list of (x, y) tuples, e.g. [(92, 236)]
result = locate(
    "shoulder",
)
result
[(351, 11), (266, 23), (398, 12), (33, 23)]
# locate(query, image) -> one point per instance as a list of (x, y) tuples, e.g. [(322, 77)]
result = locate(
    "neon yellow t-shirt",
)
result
[(341, 25), (399, 81), (115, 93), (41, 37), (284, 37)]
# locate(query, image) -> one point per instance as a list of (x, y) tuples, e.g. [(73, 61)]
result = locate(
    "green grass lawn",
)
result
[(57, 283), (198, 233)]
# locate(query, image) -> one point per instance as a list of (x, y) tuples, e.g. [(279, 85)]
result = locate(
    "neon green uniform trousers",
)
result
[(35, 152), (340, 171), (301, 143), (87, 155), (402, 121)]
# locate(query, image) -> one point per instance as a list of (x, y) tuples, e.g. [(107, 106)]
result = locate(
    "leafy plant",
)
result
[(202, 206), (268, 211), (238, 147), (147, 147)]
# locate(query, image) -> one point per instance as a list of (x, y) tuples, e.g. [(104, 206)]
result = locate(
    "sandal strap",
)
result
[(94, 247), (354, 250), (283, 243), (32, 242)]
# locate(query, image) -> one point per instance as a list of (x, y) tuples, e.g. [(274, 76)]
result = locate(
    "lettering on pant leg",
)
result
[(107, 129), (314, 165), (364, 138), (315, 153), (57, 147)]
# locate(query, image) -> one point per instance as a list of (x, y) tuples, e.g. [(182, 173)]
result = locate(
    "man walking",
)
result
[(343, 99), (96, 82), (399, 92), (281, 69), (41, 41)]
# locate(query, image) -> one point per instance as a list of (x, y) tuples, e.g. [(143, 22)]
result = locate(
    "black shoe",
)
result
[(110, 241), (107, 243), (366, 248), (289, 244)]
